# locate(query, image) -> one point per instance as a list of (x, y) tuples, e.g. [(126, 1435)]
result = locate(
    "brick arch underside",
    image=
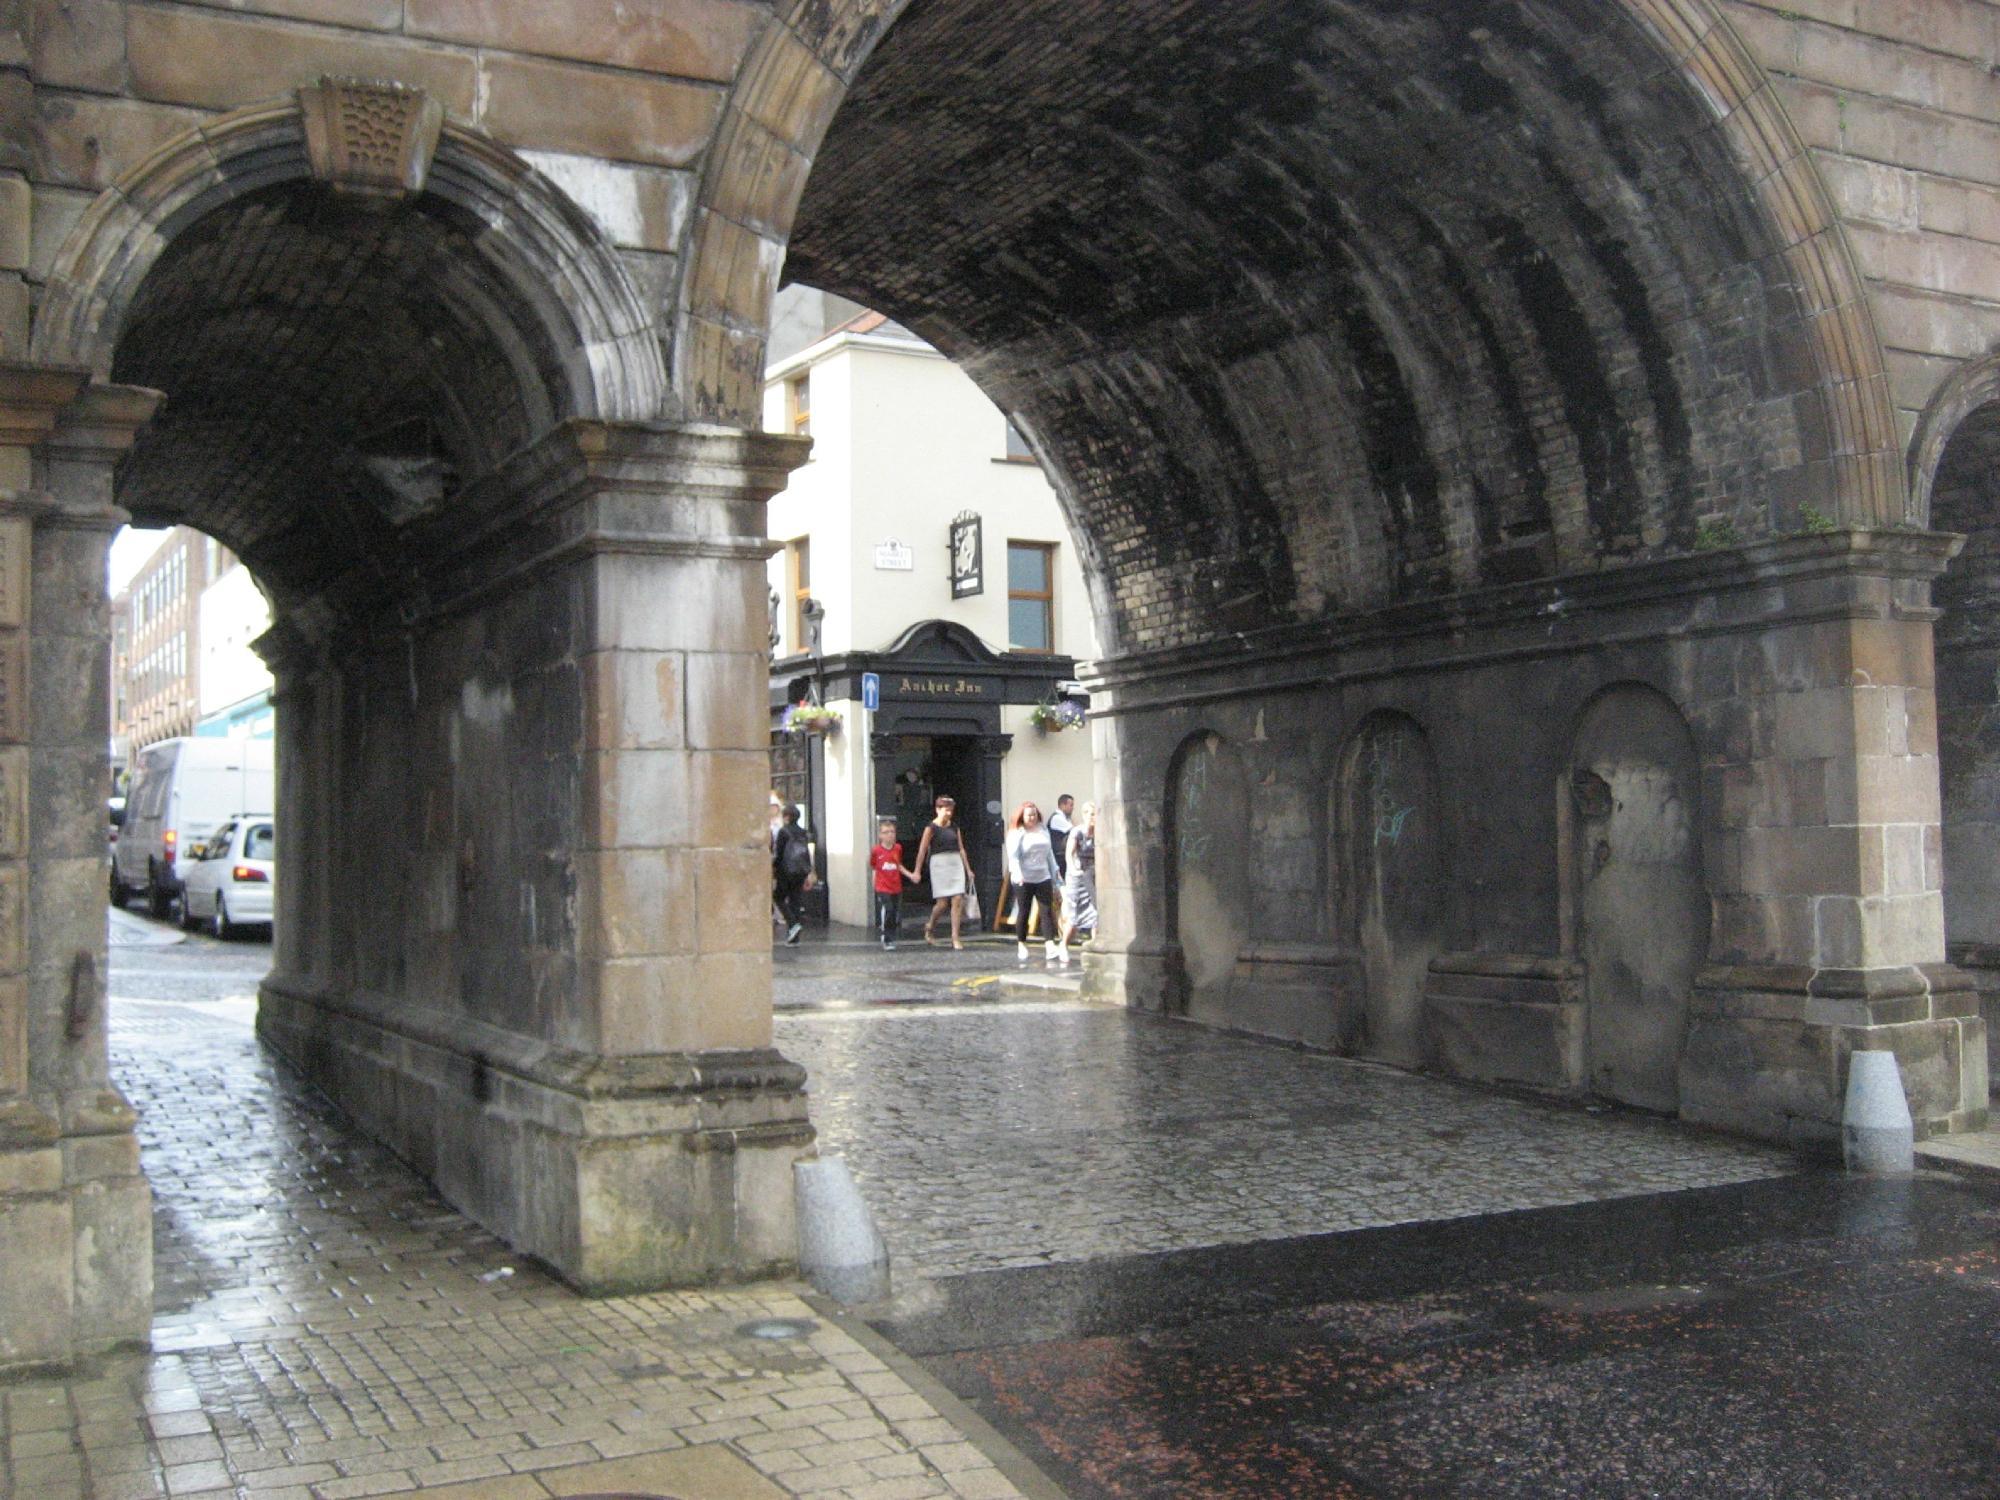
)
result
[(1320, 308), (337, 369)]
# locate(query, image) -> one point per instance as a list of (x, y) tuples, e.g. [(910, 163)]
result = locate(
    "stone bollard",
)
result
[(1875, 1124), (840, 1250)]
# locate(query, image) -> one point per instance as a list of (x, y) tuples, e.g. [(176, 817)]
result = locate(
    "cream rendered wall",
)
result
[(926, 441), (233, 613), (815, 503), (1040, 767)]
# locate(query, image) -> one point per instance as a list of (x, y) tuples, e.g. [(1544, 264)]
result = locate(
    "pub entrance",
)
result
[(923, 767)]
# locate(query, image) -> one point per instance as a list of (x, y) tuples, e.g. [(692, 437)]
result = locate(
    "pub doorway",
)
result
[(922, 768)]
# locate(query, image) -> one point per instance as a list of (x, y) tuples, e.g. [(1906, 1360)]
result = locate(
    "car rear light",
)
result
[(247, 872), (170, 838)]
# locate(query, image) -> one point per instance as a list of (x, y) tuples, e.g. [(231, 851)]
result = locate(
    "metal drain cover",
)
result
[(777, 1328)]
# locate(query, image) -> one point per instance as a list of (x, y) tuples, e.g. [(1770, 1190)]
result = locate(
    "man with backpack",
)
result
[(791, 872)]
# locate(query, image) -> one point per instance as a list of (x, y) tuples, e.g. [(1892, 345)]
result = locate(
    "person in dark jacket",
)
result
[(791, 870)]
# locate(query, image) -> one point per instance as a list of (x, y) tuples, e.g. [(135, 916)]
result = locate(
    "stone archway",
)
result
[(413, 385), (539, 245), (801, 70), (1955, 487)]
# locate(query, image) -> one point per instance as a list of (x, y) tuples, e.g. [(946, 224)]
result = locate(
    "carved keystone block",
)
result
[(374, 139)]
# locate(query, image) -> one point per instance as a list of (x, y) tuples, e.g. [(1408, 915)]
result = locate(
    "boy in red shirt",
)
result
[(886, 860)]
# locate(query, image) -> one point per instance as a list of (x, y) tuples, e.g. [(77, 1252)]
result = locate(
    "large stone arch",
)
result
[(414, 387), (543, 247), (803, 66)]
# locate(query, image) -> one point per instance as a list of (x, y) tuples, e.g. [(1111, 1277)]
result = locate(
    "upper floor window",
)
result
[(1031, 596), (1017, 446), (798, 405), (798, 569)]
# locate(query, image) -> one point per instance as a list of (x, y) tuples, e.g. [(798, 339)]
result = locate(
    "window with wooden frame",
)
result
[(798, 404), (798, 569), (1031, 596)]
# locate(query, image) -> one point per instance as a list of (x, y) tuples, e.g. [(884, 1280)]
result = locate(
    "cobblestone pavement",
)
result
[(327, 1327), (1033, 1133)]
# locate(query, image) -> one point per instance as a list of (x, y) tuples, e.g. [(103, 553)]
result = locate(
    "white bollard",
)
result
[(1875, 1124), (840, 1250)]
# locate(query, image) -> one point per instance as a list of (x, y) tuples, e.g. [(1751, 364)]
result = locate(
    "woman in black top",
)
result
[(950, 878)]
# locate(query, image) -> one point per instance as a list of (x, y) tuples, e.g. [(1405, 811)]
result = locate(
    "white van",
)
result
[(181, 791)]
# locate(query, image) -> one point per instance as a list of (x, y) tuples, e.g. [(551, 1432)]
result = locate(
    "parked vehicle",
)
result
[(181, 791), (229, 876)]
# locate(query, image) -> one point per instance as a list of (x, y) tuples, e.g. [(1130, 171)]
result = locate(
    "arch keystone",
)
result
[(372, 139)]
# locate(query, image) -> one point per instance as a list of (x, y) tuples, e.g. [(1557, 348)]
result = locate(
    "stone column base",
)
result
[(622, 1174), (1982, 962), (1767, 1049), (76, 1234), (1142, 979)]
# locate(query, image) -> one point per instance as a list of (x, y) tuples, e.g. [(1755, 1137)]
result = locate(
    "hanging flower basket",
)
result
[(811, 718), (1053, 715)]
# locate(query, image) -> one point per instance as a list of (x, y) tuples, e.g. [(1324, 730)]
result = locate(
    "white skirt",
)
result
[(947, 872)]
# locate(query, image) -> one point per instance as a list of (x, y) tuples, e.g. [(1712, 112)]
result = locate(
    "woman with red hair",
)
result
[(1031, 865)]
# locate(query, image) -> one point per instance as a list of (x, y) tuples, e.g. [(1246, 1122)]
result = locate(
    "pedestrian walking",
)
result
[(1080, 884), (1031, 865), (941, 855), (886, 861), (1059, 827), (791, 872)]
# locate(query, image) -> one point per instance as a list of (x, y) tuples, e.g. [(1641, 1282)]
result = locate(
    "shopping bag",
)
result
[(971, 910)]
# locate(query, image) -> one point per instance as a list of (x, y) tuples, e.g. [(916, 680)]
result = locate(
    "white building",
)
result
[(907, 454), (234, 684)]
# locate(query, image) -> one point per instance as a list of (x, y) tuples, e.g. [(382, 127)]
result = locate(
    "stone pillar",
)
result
[(564, 1016), (1820, 766), (75, 1213)]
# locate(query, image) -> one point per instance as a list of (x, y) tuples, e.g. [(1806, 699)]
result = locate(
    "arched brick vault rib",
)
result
[(806, 62)]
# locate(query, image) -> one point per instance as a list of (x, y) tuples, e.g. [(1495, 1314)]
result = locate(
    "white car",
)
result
[(229, 884)]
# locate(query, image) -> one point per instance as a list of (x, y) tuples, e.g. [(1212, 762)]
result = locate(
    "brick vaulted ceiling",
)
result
[(331, 370), (1321, 305)]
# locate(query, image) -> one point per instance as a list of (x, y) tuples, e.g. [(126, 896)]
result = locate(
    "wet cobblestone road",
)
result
[(327, 1327)]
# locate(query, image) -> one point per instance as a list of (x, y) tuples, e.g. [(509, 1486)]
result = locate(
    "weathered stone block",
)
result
[(111, 1218), (529, 102), (726, 707), (702, 39), (218, 62), (36, 1295), (733, 908), (634, 700), (633, 902)]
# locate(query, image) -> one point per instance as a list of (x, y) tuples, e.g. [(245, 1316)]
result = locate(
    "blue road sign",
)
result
[(871, 691)]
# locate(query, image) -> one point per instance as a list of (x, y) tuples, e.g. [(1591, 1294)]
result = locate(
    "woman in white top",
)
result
[(1031, 865)]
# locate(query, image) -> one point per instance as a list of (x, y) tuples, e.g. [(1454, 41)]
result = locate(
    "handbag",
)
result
[(971, 909)]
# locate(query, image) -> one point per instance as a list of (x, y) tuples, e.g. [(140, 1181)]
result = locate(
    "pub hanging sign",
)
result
[(968, 557)]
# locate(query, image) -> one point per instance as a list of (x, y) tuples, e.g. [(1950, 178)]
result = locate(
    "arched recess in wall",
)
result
[(805, 66), (1208, 880), (1391, 867), (1955, 485), (1637, 898), (340, 360)]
